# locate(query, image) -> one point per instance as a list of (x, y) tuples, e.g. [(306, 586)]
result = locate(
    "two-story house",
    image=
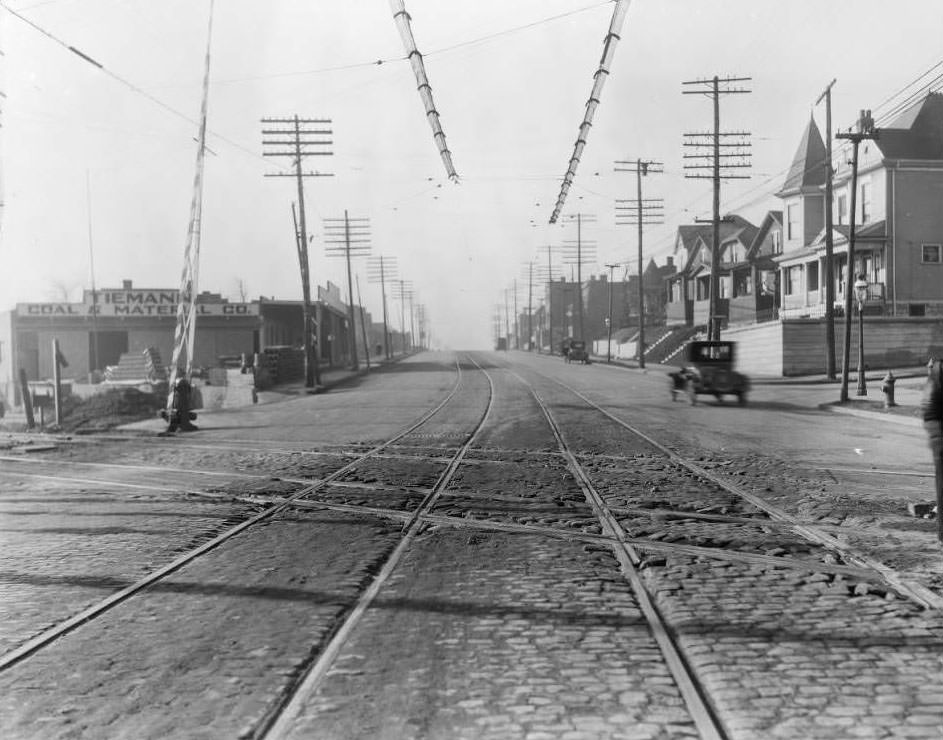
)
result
[(688, 290), (753, 283), (898, 219)]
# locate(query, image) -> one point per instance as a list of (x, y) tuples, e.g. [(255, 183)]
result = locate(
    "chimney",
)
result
[(125, 285), (669, 261)]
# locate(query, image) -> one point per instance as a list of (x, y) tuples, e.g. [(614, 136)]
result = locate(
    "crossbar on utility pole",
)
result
[(720, 170), (295, 142), (380, 269), (351, 238), (650, 211), (865, 130)]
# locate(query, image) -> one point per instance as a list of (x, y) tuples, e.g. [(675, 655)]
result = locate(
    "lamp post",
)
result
[(861, 291)]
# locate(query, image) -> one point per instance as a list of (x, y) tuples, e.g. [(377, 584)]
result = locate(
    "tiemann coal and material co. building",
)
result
[(94, 333)]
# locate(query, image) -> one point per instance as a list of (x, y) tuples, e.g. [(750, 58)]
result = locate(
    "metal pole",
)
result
[(862, 390), (850, 269), (517, 320)]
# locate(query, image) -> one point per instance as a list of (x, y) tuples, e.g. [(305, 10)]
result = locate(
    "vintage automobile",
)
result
[(577, 352), (708, 369)]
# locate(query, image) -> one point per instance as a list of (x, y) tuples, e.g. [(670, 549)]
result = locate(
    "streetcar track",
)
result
[(915, 592), (46, 637), (280, 720), (692, 691)]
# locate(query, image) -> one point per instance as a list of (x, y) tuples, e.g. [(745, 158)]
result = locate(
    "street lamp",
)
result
[(861, 291)]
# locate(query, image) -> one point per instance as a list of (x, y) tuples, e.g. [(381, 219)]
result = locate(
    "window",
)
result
[(931, 254), (792, 221), (777, 242), (865, 202), (812, 276), (917, 309), (793, 280), (841, 210)]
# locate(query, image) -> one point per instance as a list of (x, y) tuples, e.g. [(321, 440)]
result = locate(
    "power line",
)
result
[(121, 80)]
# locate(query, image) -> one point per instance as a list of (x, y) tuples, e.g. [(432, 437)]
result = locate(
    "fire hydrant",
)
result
[(887, 387)]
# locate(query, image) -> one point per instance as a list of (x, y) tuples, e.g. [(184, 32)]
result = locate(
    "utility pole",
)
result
[(91, 266), (404, 289), (829, 245), (381, 268), (297, 138), (530, 306), (412, 326), (864, 130), (721, 168), (517, 320), (351, 237), (647, 211), (574, 254), (549, 277), (363, 326), (507, 325), (609, 316)]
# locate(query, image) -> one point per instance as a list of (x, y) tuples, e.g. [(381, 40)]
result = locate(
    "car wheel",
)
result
[(691, 391), (742, 398)]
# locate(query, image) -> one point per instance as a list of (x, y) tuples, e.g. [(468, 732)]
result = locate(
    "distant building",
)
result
[(95, 332)]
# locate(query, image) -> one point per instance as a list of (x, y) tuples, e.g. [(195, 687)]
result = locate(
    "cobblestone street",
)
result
[(517, 562)]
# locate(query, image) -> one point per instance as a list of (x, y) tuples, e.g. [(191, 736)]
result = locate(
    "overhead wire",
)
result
[(124, 81)]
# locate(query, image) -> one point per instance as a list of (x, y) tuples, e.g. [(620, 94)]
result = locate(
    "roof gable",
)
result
[(916, 133), (808, 164)]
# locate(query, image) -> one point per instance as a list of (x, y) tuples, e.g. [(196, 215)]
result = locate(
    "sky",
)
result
[(97, 163)]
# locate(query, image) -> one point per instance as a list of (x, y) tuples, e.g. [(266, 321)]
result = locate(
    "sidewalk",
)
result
[(13, 425), (823, 393)]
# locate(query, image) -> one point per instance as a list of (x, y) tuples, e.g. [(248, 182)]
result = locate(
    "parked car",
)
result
[(577, 353), (708, 369)]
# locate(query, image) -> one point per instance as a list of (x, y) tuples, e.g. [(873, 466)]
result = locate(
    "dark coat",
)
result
[(931, 406)]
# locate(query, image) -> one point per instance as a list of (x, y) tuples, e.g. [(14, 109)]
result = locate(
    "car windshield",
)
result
[(713, 353)]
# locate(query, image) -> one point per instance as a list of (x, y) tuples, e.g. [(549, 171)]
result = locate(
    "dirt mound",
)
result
[(109, 409)]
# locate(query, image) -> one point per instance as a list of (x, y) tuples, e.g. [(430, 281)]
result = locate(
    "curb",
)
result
[(910, 421)]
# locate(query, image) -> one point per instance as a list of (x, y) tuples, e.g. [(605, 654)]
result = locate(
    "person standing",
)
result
[(931, 409)]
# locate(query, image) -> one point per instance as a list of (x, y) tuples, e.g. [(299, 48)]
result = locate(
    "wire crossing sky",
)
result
[(599, 80), (425, 90)]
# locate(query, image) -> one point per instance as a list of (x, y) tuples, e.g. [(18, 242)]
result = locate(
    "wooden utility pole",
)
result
[(293, 139), (865, 130), (351, 238), (379, 270), (517, 320), (721, 165), (576, 253), (530, 306), (404, 290), (829, 244), (363, 327), (647, 211)]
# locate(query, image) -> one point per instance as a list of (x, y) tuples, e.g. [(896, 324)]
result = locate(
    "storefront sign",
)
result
[(142, 303)]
